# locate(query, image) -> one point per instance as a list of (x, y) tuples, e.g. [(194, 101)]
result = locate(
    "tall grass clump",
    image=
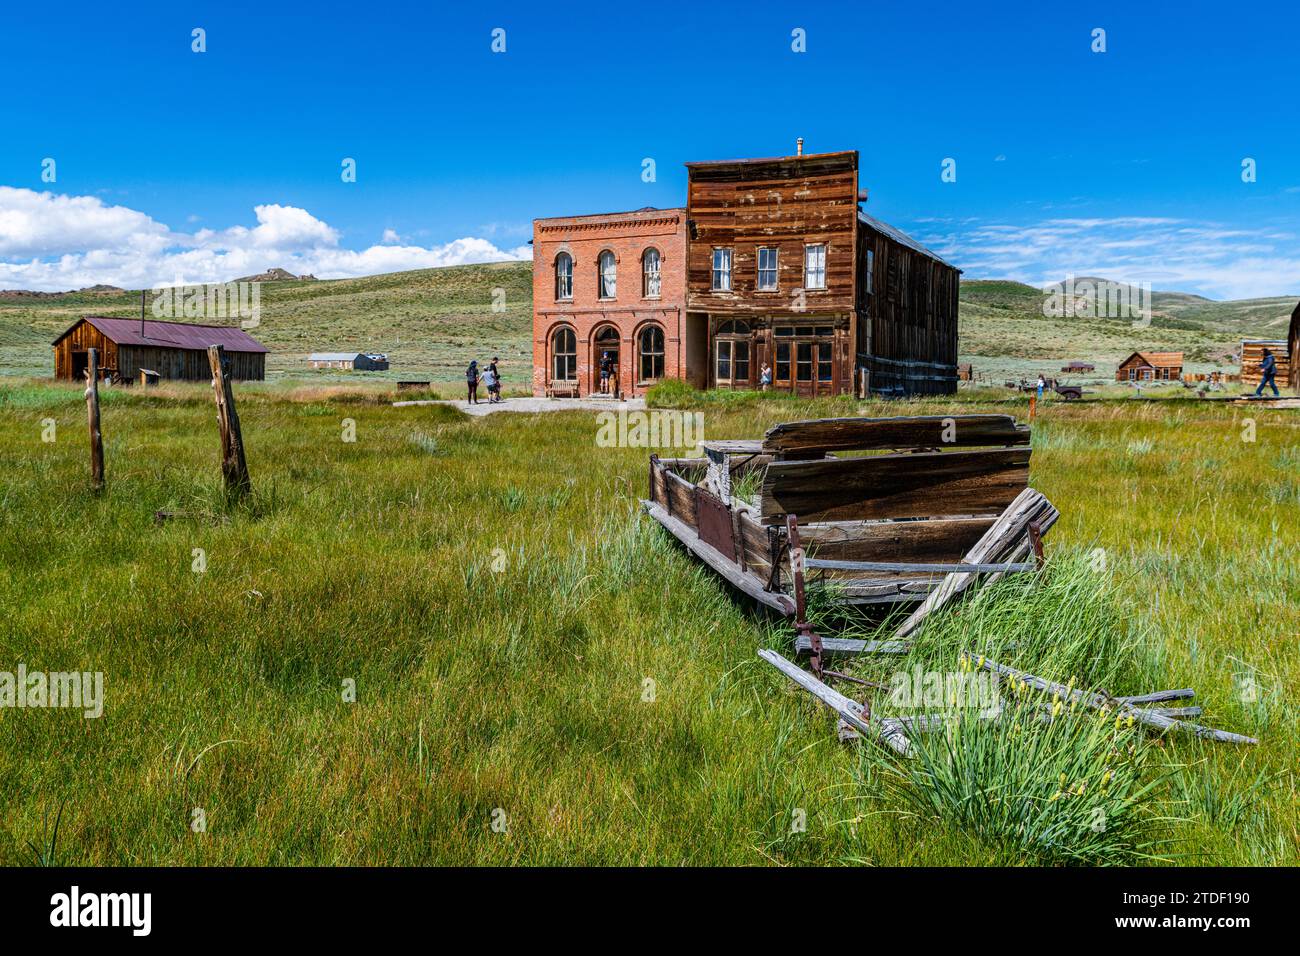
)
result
[(1079, 787)]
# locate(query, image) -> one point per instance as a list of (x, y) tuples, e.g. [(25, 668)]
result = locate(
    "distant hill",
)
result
[(277, 275), (431, 322)]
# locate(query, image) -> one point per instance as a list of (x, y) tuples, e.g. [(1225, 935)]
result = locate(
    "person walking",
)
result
[(604, 373), (1042, 384), (1268, 374), (494, 389), (490, 380), (765, 378), (471, 383)]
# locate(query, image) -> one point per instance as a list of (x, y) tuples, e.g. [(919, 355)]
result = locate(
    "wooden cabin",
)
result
[(1252, 356), (1078, 367), (1151, 367), (175, 351)]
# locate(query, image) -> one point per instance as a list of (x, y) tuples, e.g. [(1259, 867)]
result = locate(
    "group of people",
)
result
[(608, 375), (489, 376)]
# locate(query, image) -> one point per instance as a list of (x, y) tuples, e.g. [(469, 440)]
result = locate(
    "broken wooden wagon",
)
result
[(884, 508)]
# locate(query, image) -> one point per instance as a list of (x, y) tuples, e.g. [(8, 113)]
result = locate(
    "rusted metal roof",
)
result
[(900, 237), (1158, 359), (170, 335)]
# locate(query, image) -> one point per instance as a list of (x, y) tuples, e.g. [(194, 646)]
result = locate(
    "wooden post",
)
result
[(92, 412), (1033, 401), (234, 467)]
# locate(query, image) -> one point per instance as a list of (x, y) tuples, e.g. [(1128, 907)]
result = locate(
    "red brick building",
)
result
[(609, 285)]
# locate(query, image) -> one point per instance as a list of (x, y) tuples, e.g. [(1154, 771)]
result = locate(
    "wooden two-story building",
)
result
[(782, 271)]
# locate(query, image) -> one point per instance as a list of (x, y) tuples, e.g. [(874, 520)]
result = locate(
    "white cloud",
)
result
[(51, 242), (1181, 255)]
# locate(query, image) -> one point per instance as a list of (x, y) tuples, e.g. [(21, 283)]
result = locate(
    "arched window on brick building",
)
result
[(650, 347), (651, 283), (608, 275), (564, 355), (564, 276)]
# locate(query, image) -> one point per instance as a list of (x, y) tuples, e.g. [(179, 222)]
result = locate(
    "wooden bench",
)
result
[(562, 390)]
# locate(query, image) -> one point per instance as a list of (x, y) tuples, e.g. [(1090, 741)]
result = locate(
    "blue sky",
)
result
[(1126, 163)]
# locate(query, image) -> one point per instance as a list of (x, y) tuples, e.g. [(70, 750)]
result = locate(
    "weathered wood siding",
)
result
[(783, 203), (83, 337), (1252, 354), (907, 308)]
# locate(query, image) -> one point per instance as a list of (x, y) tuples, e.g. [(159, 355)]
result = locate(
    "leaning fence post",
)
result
[(92, 413), (802, 628), (234, 467)]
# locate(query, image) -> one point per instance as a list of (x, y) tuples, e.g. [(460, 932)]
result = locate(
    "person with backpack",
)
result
[(494, 386), (1268, 374), (471, 383)]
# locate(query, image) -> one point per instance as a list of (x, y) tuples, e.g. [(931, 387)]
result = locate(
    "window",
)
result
[(650, 284), (814, 267), (608, 275), (652, 353), (766, 269), (564, 355), (564, 276), (733, 361), (783, 362), (803, 361), (721, 270), (871, 267), (733, 328)]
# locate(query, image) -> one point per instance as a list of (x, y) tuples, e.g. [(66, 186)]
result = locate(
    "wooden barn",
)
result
[(1151, 367), (1252, 356), (1078, 367), (174, 350)]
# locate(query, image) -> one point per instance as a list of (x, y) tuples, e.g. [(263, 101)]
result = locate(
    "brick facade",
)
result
[(630, 312)]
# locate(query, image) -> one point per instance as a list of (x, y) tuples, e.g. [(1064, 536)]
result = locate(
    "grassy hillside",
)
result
[(432, 321)]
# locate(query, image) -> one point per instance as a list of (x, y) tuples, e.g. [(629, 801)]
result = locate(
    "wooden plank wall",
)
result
[(190, 365), (82, 337), (1252, 353), (909, 317), (783, 203)]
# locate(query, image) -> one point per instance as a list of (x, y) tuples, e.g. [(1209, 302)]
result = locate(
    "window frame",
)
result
[(808, 248), (646, 274), (602, 290), (714, 272), (642, 354), (569, 275), (556, 354), (775, 269)]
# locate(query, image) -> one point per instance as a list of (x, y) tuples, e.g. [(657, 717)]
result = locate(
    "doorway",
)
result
[(731, 355), (79, 362), (804, 359), (605, 345)]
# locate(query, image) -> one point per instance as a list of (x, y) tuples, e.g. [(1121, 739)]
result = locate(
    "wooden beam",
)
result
[(234, 467), (888, 732), (846, 645), (92, 413), (982, 568), (1007, 533), (1148, 717)]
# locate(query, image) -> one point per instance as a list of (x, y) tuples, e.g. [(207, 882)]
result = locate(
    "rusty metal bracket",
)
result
[(802, 627), (1036, 542)]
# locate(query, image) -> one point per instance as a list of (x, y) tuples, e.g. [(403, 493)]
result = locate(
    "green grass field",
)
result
[(527, 650)]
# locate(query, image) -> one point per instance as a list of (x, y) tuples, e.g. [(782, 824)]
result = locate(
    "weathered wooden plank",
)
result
[(895, 486), (1146, 716), (1156, 696), (850, 711), (929, 540), (745, 581), (846, 645), (929, 568), (1006, 533), (816, 437), (92, 414)]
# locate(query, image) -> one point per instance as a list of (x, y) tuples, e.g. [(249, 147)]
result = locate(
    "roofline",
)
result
[(648, 213), (132, 318), (772, 159)]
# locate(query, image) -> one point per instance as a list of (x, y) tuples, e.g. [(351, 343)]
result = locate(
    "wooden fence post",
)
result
[(92, 413), (234, 467)]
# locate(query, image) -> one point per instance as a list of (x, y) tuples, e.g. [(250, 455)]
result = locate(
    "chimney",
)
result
[(798, 146)]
